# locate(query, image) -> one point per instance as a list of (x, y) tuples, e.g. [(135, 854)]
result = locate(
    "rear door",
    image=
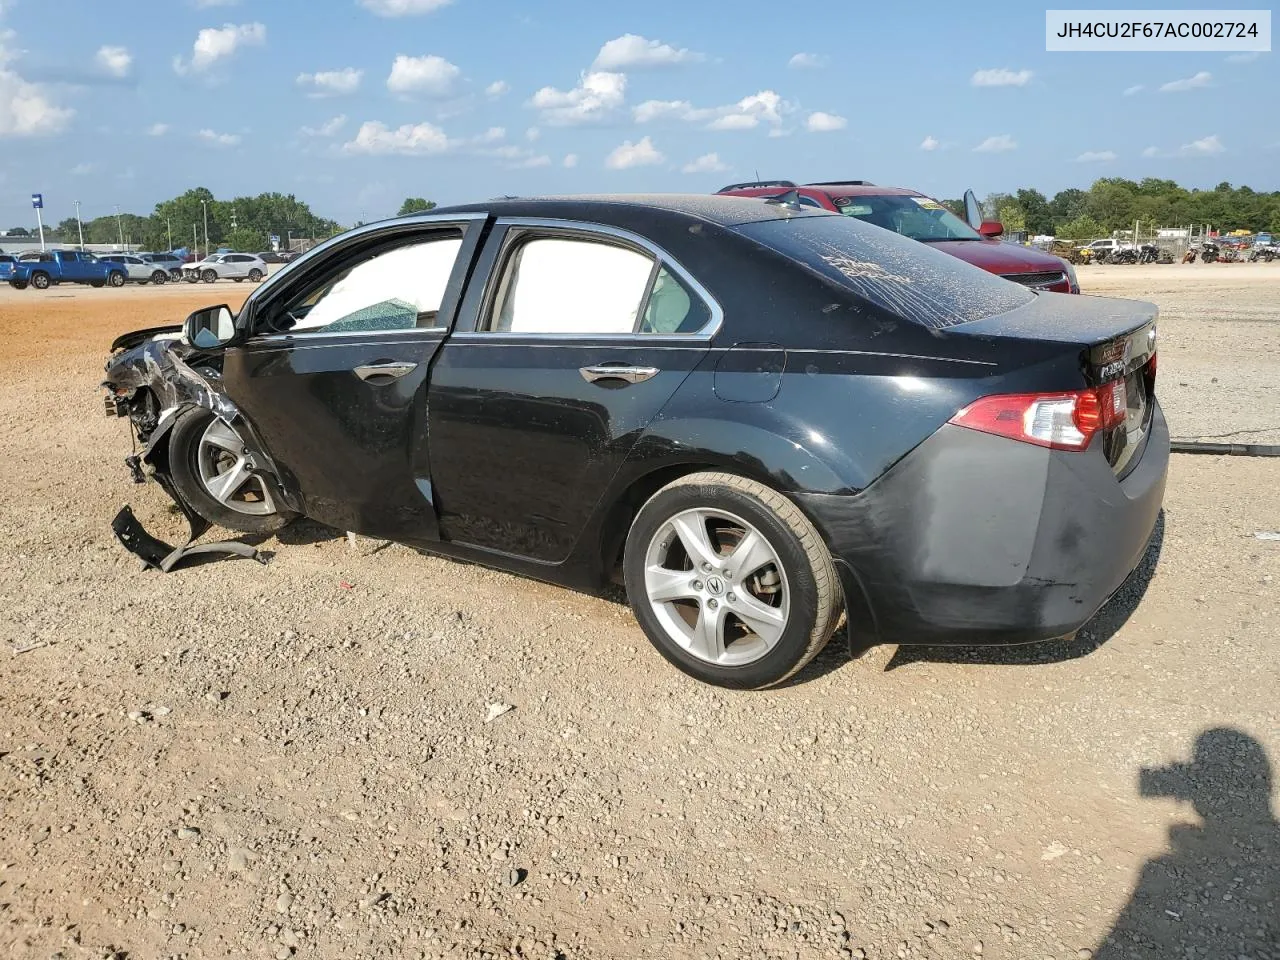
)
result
[(559, 362), (333, 378)]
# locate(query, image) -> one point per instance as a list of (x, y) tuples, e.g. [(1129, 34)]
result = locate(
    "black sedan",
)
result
[(755, 415)]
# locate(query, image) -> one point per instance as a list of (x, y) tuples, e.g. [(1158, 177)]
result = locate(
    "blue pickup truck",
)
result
[(43, 270)]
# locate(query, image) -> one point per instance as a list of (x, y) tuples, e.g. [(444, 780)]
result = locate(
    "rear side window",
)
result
[(554, 285), (904, 277)]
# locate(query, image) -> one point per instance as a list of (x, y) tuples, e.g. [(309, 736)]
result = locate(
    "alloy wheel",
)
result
[(223, 464), (717, 586)]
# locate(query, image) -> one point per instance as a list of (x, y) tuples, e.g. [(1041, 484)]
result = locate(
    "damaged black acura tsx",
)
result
[(757, 416)]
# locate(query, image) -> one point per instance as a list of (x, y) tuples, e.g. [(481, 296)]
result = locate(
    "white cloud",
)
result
[(1247, 57), (26, 109), (707, 163), (807, 61), (997, 144), (570, 161), (492, 135), (331, 83), (428, 76), (1209, 146), (202, 4), (80, 169), (114, 61), (330, 128), (633, 52), (403, 8), (641, 154), (1096, 156), (218, 43), (1136, 88), (376, 138), (496, 89), (930, 143), (219, 139), (1001, 77), (158, 129), (765, 106), (596, 97), (1204, 147), (819, 122), (532, 134), (528, 163), (1201, 79)]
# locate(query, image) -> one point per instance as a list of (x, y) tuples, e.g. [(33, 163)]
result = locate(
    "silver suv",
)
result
[(226, 266)]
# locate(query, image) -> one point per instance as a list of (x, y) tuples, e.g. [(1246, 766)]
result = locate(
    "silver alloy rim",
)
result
[(717, 587), (224, 471)]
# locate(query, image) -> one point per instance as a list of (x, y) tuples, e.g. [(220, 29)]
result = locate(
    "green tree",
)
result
[(1068, 204), (415, 205), (247, 240), (1035, 210), (1081, 228), (18, 232), (1011, 215)]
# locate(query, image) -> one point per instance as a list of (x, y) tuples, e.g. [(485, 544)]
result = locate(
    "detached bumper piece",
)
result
[(158, 555)]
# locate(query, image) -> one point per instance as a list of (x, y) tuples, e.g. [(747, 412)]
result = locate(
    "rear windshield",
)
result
[(908, 279)]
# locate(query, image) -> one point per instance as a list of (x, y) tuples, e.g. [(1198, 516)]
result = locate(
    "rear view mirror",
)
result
[(991, 228), (210, 328)]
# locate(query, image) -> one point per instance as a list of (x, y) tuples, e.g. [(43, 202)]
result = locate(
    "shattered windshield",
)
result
[(891, 271)]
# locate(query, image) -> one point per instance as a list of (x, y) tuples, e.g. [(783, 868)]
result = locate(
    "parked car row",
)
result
[(43, 269)]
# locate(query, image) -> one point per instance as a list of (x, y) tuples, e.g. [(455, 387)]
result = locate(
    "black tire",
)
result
[(192, 277), (97, 283), (208, 276), (159, 278), (815, 597), (115, 278), (184, 450), (18, 284), (255, 275), (238, 279), (40, 280)]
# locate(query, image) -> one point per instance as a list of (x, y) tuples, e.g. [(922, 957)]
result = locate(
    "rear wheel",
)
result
[(40, 281), (255, 275), (730, 581), (209, 465), (115, 278), (208, 276), (159, 277), (18, 284)]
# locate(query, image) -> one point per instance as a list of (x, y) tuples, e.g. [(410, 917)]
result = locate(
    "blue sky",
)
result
[(355, 104)]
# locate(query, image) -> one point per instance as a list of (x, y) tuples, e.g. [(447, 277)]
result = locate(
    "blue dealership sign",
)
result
[(37, 200)]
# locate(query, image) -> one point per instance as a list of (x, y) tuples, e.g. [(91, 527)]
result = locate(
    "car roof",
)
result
[(623, 209), (830, 189)]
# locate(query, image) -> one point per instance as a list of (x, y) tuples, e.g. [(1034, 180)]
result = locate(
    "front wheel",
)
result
[(159, 277), (730, 581), (208, 276), (208, 461), (115, 278), (255, 275)]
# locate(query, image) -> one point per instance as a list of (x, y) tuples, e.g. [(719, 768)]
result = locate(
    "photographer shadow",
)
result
[(1217, 892)]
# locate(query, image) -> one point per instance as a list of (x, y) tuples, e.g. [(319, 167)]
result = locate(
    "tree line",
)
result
[(1114, 203)]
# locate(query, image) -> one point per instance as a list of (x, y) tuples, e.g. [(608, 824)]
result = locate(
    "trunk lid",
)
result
[(1114, 342)]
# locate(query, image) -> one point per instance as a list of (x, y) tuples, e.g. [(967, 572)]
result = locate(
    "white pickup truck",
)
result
[(1102, 249)]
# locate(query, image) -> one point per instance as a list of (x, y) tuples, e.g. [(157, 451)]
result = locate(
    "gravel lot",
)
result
[(237, 760)]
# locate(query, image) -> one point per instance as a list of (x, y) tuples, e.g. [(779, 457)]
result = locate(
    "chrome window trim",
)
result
[(661, 257), (298, 339)]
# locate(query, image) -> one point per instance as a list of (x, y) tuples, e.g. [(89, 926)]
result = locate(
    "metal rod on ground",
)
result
[(40, 224), (1225, 449)]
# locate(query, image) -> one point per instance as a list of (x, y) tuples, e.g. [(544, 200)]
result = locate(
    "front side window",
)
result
[(573, 285), (397, 289)]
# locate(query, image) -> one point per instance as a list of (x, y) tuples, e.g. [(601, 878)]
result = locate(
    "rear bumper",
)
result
[(976, 539)]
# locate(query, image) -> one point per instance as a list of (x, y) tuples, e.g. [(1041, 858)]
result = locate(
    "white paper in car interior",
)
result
[(415, 275), (574, 286)]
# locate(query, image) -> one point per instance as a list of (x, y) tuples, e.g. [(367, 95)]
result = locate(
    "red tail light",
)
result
[(1060, 421)]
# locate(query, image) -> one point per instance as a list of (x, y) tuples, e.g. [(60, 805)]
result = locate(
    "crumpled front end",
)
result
[(152, 376)]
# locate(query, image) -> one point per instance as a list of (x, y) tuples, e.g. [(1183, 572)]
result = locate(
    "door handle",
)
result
[(618, 372), (389, 368)]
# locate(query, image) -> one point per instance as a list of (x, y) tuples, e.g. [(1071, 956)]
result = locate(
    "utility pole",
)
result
[(195, 242), (119, 225), (37, 201), (169, 229), (205, 205), (79, 224)]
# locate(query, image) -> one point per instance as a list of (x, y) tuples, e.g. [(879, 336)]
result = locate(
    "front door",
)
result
[(576, 344), (333, 377)]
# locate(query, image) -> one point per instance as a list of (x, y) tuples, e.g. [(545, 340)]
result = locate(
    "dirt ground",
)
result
[(263, 761)]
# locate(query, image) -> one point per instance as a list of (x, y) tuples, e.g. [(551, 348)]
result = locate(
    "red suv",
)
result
[(923, 218)]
